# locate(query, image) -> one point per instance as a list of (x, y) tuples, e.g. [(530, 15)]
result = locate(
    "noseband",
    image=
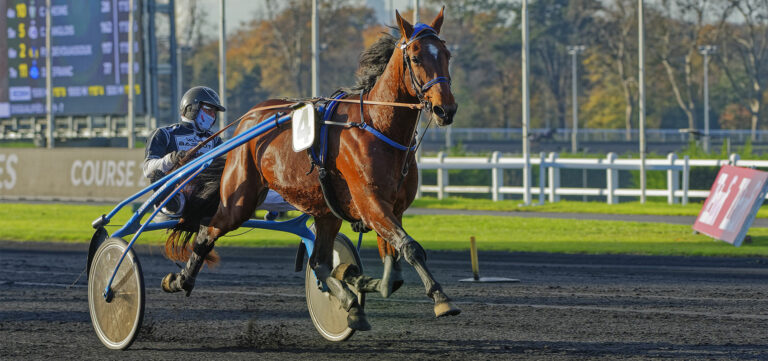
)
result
[(421, 31)]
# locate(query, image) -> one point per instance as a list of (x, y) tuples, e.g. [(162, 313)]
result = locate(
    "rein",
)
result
[(193, 151)]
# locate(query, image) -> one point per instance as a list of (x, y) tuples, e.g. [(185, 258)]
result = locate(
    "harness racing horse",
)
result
[(365, 164)]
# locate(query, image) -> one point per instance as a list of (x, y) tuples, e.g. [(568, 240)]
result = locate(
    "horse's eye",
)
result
[(415, 60)]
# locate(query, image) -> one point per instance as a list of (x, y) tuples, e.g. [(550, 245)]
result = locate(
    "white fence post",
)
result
[(611, 179), (672, 179), (542, 177), (497, 177), (733, 159), (686, 178), (442, 176), (418, 173), (554, 178)]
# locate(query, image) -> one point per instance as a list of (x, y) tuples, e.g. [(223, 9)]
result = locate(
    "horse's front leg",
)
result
[(322, 262), (389, 228)]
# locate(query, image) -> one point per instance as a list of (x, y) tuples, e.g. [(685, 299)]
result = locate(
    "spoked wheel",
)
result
[(328, 316), (116, 319)]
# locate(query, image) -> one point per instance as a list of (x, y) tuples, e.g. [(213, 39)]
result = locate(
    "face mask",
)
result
[(204, 121)]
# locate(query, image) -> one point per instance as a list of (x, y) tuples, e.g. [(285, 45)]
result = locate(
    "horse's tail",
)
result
[(177, 247), (200, 206)]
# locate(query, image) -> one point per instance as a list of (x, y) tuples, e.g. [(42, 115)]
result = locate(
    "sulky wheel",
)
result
[(116, 319), (329, 318)]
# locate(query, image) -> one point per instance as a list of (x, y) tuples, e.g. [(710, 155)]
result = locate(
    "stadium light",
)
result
[(131, 82), (641, 95), (574, 51), (48, 76), (315, 51), (415, 11), (526, 110), (222, 64), (705, 51)]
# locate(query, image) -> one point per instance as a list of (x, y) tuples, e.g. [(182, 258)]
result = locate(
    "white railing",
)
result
[(549, 177), (454, 135), (71, 127)]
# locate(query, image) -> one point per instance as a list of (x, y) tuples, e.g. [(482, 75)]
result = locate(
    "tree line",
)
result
[(269, 57)]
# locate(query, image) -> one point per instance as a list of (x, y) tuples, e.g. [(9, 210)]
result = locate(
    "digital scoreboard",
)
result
[(89, 52)]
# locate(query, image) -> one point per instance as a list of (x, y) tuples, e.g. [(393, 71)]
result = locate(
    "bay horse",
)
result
[(365, 170)]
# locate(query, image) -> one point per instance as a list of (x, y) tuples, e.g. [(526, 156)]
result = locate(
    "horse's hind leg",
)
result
[(240, 195), (322, 261)]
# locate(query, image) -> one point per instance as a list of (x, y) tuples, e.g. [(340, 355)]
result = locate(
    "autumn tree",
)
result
[(743, 56)]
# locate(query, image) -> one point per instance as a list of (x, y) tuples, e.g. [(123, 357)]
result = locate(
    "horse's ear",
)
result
[(406, 29), (438, 22)]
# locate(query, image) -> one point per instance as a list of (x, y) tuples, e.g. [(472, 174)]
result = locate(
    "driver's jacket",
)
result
[(165, 140)]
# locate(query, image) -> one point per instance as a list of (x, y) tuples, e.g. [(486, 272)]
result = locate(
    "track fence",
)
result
[(678, 171)]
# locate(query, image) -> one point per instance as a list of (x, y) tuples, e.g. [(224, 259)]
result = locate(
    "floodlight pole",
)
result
[(315, 50), (706, 50), (526, 110), (131, 91), (222, 63), (641, 92), (575, 50), (48, 77)]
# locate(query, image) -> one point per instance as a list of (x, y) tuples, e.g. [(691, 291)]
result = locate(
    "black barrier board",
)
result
[(90, 57)]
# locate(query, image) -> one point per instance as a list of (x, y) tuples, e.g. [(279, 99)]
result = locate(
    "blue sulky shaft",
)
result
[(190, 170)]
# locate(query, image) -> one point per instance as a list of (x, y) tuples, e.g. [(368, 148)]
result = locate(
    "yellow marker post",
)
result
[(476, 267)]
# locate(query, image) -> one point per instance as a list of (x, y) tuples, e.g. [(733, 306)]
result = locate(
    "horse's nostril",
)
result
[(439, 111)]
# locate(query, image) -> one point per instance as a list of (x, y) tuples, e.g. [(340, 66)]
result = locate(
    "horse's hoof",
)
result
[(170, 283), (356, 319), (345, 271), (446, 309), (174, 282)]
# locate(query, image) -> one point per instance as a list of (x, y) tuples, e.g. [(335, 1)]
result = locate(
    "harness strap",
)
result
[(323, 174), (429, 84), (383, 137)]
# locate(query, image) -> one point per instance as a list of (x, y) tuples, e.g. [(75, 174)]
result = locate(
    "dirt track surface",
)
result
[(253, 306)]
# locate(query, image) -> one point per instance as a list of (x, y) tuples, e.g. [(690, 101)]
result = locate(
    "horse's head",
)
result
[(425, 61)]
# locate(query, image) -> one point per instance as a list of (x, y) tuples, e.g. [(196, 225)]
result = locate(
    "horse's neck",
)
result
[(396, 122)]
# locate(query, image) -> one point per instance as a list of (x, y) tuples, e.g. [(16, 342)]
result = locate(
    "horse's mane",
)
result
[(373, 62)]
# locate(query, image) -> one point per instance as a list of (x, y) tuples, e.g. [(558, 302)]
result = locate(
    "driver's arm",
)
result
[(157, 156)]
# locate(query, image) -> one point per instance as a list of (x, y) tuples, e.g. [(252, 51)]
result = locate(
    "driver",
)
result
[(167, 145)]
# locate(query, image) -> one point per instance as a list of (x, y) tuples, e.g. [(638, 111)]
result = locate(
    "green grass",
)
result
[(71, 223), (652, 207), (17, 144)]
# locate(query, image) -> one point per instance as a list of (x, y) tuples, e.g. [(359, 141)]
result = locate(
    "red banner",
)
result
[(732, 204)]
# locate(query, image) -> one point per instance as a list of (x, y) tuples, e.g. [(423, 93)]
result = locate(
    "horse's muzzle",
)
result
[(444, 113)]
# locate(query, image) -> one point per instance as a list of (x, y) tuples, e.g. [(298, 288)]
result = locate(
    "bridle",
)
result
[(420, 31)]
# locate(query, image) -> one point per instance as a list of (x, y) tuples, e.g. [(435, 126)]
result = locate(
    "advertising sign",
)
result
[(89, 49), (78, 174), (732, 204)]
